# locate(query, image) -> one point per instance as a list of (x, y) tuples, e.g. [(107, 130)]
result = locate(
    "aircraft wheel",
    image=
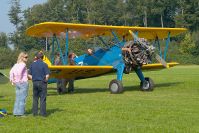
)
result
[(147, 85), (115, 86)]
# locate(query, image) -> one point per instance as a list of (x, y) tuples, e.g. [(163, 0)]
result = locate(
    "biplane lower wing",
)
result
[(159, 65), (81, 72), (78, 72)]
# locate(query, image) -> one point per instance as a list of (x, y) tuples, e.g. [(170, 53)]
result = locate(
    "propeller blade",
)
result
[(161, 60), (138, 39)]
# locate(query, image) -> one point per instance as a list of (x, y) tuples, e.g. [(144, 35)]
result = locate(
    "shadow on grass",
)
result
[(53, 92), (157, 86), (132, 88), (48, 111), (2, 98), (52, 88), (126, 88), (90, 90), (167, 84)]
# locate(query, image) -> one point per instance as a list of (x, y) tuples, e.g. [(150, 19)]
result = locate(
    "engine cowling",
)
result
[(140, 53)]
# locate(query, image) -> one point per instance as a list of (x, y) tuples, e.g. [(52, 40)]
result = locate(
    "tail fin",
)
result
[(47, 61)]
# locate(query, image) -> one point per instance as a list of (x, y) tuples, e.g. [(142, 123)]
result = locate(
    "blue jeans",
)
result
[(21, 94)]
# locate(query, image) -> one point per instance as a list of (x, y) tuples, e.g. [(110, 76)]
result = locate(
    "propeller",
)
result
[(157, 57)]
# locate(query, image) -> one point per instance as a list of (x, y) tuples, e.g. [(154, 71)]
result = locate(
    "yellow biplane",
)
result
[(127, 52)]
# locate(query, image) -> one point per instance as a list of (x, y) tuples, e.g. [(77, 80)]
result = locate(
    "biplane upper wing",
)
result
[(48, 29)]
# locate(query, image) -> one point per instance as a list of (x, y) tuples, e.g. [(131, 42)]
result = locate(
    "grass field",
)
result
[(172, 107)]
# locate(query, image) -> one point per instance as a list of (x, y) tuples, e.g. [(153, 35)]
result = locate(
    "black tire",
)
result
[(116, 86), (147, 85)]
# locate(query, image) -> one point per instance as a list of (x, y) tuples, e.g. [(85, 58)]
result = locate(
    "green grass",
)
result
[(172, 107)]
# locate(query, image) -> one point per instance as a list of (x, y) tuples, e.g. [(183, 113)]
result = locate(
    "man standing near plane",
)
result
[(39, 73)]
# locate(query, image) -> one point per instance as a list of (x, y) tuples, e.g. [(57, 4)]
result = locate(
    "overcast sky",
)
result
[(5, 25)]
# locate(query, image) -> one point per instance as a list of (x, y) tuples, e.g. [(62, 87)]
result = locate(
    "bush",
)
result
[(8, 58)]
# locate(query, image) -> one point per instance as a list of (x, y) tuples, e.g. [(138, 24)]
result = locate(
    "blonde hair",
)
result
[(21, 56)]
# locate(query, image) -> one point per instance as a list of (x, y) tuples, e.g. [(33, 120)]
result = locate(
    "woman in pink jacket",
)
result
[(19, 78)]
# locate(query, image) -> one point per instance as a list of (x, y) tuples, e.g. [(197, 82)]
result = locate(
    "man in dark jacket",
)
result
[(39, 73)]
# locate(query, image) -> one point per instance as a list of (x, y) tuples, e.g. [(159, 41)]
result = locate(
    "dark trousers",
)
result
[(62, 83), (71, 85), (39, 91)]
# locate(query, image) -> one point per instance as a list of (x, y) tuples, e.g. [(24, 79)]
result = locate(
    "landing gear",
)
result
[(147, 85), (116, 86), (127, 69)]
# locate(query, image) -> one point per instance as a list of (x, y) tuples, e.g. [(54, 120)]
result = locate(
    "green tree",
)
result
[(192, 14), (187, 44), (15, 19), (158, 9), (14, 13), (90, 11), (143, 9), (187, 14), (8, 58), (3, 40), (180, 14), (133, 17), (195, 36)]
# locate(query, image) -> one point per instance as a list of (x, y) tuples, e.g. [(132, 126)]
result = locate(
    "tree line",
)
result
[(145, 13)]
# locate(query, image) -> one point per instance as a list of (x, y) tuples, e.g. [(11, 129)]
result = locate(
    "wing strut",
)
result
[(59, 49), (158, 42), (66, 47), (167, 45)]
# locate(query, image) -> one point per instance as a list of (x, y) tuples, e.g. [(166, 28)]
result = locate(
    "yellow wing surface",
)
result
[(47, 29), (78, 72), (159, 65), (81, 72)]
